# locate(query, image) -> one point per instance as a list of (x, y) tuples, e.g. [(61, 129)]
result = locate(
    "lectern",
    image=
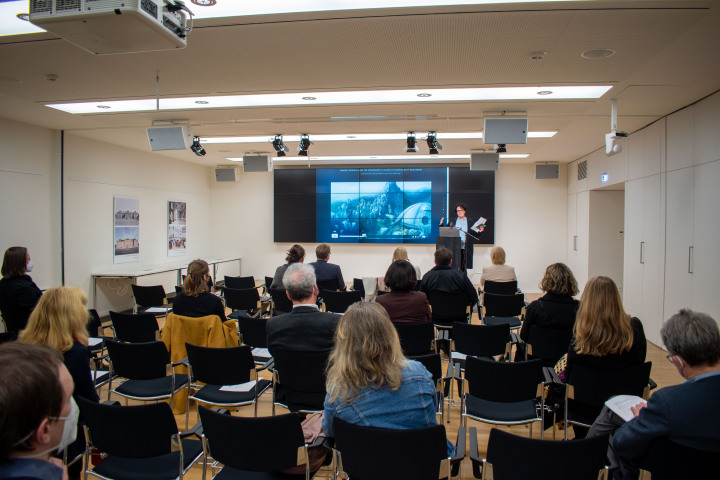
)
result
[(449, 237)]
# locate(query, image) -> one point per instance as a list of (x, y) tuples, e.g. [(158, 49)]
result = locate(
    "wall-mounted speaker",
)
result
[(169, 138), (547, 172), (505, 130), (225, 174), (257, 163), (484, 161)]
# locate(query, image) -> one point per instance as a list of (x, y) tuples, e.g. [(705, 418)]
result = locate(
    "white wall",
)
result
[(531, 221), (606, 240)]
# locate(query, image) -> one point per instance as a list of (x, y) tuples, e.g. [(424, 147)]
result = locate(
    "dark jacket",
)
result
[(305, 329), (550, 311), (18, 297), (204, 304), (446, 279), (406, 307), (325, 271), (469, 241), (77, 361)]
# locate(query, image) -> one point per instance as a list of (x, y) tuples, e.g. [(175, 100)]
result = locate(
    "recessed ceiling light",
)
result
[(9, 81), (201, 102), (599, 53), (105, 107), (360, 158), (309, 98), (424, 95), (545, 92), (537, 56), (204, 3), (359, 137)]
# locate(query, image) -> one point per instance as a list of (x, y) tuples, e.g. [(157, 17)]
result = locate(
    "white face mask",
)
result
[(29, 266), (69, 433)]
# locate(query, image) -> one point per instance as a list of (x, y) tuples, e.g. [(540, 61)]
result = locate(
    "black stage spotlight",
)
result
[(196, 148), (501, 148), (302, 149), (279, 146), (433, 144), (411, 143)]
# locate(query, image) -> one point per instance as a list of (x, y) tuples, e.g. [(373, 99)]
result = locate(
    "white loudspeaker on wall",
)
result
[(257, 163), (225, 174), (484, 161), (169, 138)]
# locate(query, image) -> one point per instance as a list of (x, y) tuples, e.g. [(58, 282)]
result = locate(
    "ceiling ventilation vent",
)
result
[(582, 170)]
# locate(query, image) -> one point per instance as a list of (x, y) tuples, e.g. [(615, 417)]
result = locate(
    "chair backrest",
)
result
[(253, 331), (503, 381), (448, 307), (545, 459), (178, 289), (301, 376), (138, 431), (338, 302), (501, 288), (432, 362), (327, 284), (220, 366), (359, 286), (549, 344), (503, 305), (668, 460), (481, 340), (260, 444), (280, 300), (268, 282), (134, 327), (241, 298), (94, 324), (239, 282), (396, 453), (416, 338), (594, 387), (138, 361), (149, 296)]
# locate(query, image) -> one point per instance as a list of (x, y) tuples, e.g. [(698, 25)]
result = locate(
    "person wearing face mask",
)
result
[(195, 300), (18, 292), (38, 415), (60, 321)]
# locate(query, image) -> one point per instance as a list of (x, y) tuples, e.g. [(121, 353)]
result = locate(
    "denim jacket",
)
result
[(413, 405)]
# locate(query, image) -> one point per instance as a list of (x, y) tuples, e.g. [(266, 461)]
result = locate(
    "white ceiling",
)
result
[(667, 57)]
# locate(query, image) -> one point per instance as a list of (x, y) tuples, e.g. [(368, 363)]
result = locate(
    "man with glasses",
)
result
[(464, 225), (687, 413)]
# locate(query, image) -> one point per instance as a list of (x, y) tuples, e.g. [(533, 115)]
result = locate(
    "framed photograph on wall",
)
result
[(177, 235), (126, 225)]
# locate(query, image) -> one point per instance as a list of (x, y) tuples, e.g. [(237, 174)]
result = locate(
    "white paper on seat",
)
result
[(158, 309), (240, 387), (458, 355), (621, 404), (261, 352), (94, 341), (98, 373)]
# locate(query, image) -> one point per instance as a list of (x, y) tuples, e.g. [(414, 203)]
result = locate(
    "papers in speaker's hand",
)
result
[(480, 223), (240, 387)]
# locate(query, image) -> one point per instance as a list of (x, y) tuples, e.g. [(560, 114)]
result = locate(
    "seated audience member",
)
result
[(325, 271), (557, 308), (498, 271), (38, 416), (685, 414), (370, 382), (446, 279), (402, 304), (60, 320), (18, 292), (195, 300), (401, 253), (296, 254), (306, 328)]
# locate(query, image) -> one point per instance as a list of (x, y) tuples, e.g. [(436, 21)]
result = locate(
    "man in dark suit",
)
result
[(328, 275), (687, 413), (464, 224), (305, 328), (446, 279)]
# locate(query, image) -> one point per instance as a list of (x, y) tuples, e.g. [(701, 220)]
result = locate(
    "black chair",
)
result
[(135, 327), (548, 344), (331, 285), (243, 301), (359, 286), (513, 322), (495, 305), (501, 288), (433, 363), (587, 389), (239, 282), (280, 303), (146, 297), (217, 368), (487, 341), (448, 308), (511, 457), (299, 380), (337, 301), (253, 332), (374, 453), (268, 282), (504, 393), (416, 338), (668, 460), (141, 441), (144, 365), (254, 448)]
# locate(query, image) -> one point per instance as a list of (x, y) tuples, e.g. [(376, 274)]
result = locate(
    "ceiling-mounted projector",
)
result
[(114, 26)]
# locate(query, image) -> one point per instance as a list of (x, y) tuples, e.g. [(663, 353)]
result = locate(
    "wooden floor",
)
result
[(663, 373)]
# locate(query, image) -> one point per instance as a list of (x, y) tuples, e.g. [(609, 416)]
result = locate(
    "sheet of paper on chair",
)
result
[(94, 341), (98, 373), (458, 356), (240, 387), (158, 309), (261, 352), (621, 404)]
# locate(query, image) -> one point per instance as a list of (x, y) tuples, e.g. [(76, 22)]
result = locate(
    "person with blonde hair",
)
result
[(369, 380), (60, 320), (195, 300), (498, 271), (401, 253)]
